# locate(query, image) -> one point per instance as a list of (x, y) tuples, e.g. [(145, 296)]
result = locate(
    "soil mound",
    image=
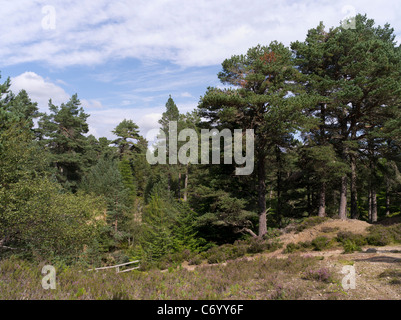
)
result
[(328, 228)]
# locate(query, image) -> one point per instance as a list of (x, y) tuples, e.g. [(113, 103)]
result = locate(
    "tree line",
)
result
[(326, 119)]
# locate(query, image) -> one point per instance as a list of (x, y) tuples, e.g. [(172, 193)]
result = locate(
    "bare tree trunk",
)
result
[(253, 234), (387, 197), (322, 200), (179, 185), (354, 192), (308, 199), (374, 206), (262, 196), (342, 212), (186, 184), (370, 204)]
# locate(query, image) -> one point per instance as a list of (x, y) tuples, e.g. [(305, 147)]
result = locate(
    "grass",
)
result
[(260, 278)]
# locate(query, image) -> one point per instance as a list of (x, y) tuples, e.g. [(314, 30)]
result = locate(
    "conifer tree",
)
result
[(62, 132), (262, 97)]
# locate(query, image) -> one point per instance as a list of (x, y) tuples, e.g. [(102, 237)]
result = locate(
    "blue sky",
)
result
[(125, 57)]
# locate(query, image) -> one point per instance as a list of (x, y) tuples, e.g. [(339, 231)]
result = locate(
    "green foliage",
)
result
[(380, 235), (357, 239), (47, 223), (105, 179), (292, 247), (321, 243), (124, 166), (350, 246), (224, 213), (158, 220), (128, 137), (62, 132)]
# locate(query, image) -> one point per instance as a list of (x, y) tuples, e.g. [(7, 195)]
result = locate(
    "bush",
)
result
[(257, 245), (358, 239), (321, 243), (322, 274), (379, 236), (272, 233), (396, 232), (350, 246), (300, 246), (292, 247), (195, 260)]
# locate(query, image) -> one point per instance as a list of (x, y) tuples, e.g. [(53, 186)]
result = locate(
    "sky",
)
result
[(125, 57)]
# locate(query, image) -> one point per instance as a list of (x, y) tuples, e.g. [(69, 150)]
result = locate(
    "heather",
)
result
[(260, 278)]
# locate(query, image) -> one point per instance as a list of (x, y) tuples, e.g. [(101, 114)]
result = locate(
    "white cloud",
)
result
[(91, 104), (186, 95), (39, 89), (103, 122), (185, 32)]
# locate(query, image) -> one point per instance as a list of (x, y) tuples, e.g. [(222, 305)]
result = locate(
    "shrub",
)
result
[(195, 260), (350, 246), (379, 236), (257, 245), (292, 247), (344, 236), (305, 244), (321, 243), (322, 274), (272, 233)]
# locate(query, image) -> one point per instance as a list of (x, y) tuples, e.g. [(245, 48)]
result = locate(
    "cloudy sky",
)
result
[(125, 57)]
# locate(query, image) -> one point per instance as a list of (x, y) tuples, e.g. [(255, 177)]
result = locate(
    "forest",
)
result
[(326, 118)]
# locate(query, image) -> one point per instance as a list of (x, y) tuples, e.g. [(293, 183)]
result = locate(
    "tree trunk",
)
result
[(278, 181), (374, 206), (342, 212), (179, 185), (354, 193), (308, 199), (370, 204), (262, 195), (186, 184), (322, 200), (387, 197)]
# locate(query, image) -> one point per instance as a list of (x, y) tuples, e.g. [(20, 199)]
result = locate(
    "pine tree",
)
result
[(128, 135), (355, 74), (264, 98), (62, 132)]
